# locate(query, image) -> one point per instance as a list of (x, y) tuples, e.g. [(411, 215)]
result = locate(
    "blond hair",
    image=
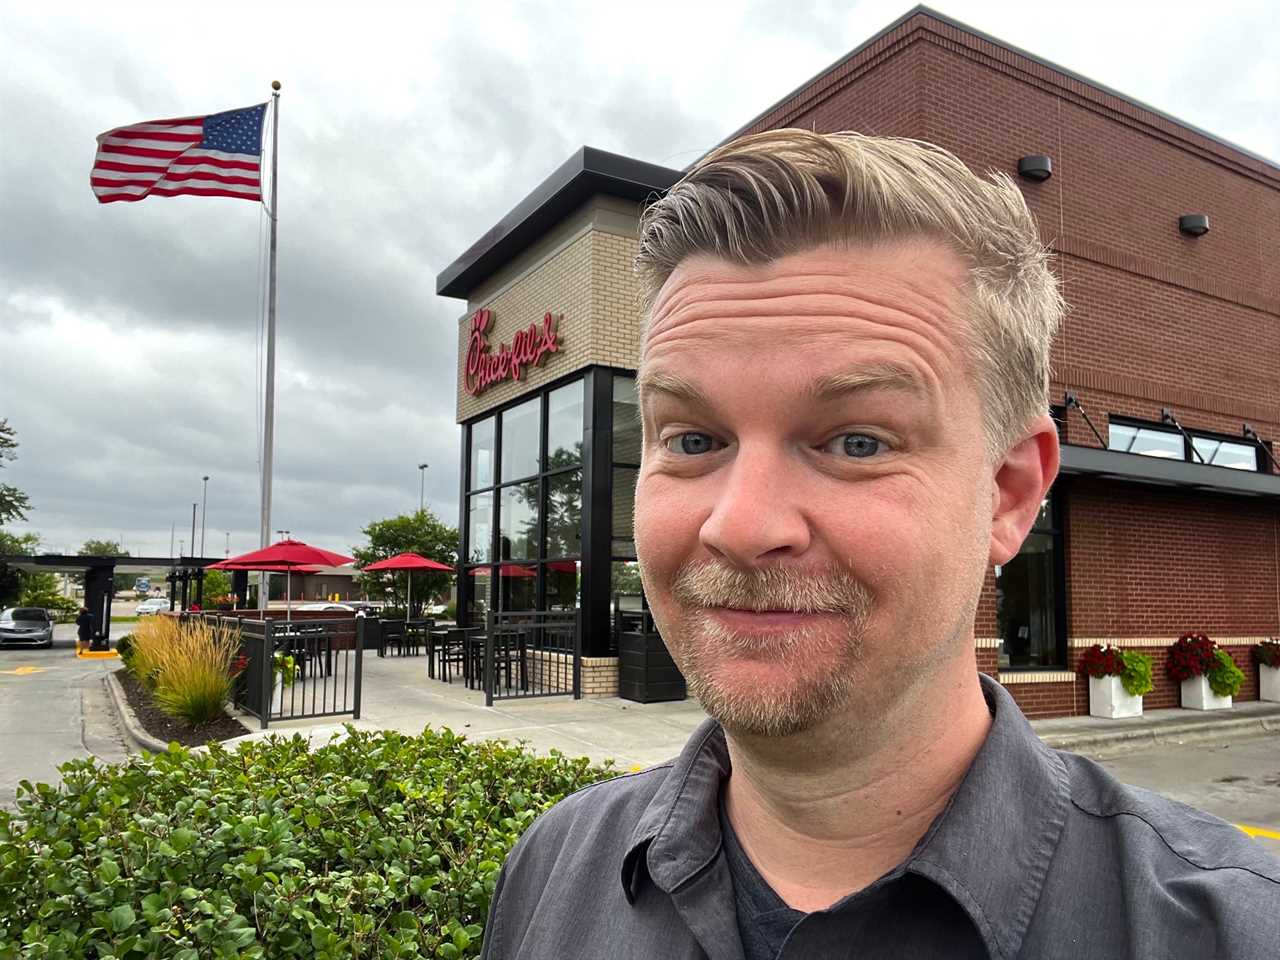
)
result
[(776, 193)]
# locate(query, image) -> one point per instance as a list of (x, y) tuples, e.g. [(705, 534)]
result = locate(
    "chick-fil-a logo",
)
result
[(527, 349)]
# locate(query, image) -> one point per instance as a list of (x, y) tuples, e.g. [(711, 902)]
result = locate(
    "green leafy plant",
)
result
[(1136, 678), (1225, 678), (377, 845), (286, 667)]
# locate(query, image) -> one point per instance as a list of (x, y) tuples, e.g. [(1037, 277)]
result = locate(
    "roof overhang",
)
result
[(66, 563), (1156, 472), (588, 172)]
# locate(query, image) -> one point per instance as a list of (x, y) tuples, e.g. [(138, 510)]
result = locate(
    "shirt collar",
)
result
[(990, 849)]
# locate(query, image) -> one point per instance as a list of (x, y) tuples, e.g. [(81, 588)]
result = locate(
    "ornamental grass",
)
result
[(187, 667)]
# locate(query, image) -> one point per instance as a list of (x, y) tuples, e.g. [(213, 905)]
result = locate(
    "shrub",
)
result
[(1191, 655), (124, 647), (1136, 678), (151, 638), (1225, 678), (381, 845), (1268, 652)]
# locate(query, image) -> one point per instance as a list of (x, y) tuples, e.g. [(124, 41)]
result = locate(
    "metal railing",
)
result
[(322, 658), (535, 653)]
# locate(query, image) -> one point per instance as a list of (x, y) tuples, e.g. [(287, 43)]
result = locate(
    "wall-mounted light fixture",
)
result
[(1036, 167), (1193, 224)]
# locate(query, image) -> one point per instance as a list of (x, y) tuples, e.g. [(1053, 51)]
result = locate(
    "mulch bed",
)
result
[(166, 728)]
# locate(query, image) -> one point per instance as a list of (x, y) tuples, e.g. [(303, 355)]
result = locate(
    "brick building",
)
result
[(1166, 373)]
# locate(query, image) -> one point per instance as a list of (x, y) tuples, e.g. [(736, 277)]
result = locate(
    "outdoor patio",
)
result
[(398, 695)]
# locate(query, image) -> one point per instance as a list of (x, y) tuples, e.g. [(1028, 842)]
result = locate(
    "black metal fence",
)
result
[(536, 653), (295, 670)]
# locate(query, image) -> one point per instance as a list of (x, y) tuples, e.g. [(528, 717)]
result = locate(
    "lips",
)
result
[(766, 621)]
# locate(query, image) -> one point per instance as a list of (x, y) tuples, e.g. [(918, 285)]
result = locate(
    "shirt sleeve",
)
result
[(491, 946)]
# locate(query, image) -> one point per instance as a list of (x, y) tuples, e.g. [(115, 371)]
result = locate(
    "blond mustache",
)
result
[(829, 589)]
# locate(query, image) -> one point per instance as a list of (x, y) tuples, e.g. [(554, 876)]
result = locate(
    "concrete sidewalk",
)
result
[(398, 695)]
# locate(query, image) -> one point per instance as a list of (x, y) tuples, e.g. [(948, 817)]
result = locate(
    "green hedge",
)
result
[(381, 845)]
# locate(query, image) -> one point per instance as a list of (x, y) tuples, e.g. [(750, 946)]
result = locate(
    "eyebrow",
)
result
[(875, 376), (677, 388)]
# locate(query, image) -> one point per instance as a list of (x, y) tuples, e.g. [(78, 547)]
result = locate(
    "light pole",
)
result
[(193, 527), (422, 486), (227, 552), (204, 496)]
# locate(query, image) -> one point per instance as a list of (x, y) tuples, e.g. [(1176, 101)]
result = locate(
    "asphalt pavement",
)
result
[(53, 708)]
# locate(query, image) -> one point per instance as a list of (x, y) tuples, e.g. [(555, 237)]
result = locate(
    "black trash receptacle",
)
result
[(646, 672)]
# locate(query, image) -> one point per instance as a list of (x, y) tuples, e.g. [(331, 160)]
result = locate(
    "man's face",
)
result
[(813, 510)]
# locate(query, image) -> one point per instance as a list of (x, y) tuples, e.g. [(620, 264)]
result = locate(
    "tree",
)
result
[(13, 502), (420, 532), (13, 582), (217, 585)]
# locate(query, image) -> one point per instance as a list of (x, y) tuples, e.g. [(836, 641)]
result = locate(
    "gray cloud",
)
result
[(129, 331)]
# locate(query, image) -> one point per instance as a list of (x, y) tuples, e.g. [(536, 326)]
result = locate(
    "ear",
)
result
[(1022, 479)]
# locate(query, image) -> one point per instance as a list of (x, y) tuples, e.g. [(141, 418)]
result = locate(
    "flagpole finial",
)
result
[(275, 84)]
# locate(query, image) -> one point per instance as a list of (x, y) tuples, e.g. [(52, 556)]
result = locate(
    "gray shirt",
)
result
[(1038, 854)]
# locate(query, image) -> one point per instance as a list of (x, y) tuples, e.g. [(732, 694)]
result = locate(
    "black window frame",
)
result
[(1057, 529), (1188, 456)]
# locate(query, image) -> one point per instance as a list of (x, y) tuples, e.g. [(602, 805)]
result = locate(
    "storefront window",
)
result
[(482, 454), (564, 579), (518, 522), (480, 528), (626, 421), (478, 605), (564, 514), (624, 496), (517, 587), (1147, 441), (521, 434), (564, 426), (1027, 599)]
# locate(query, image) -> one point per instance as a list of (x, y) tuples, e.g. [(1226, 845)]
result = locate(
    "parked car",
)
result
[(26, 625), (343, 607), (154, 605)]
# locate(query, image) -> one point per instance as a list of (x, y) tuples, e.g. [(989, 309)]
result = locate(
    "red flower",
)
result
[(1269, 652), (238, 665), (1099, 661), (1192, 655)]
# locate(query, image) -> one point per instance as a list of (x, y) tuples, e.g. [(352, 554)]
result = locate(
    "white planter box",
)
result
[(1197, 695), (1268, 683), (1109, 699)]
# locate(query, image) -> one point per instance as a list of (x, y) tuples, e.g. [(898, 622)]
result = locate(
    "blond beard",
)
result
[(699, 643)]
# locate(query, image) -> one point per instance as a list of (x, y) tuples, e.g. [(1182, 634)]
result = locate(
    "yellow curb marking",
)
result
[(1258, 831), (24, 671), (97, 655)]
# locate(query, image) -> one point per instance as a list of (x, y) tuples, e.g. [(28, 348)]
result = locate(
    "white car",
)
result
[(337, 607), (154, 605)]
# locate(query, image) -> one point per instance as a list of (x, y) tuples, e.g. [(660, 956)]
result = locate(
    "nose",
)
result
[(759, 514)]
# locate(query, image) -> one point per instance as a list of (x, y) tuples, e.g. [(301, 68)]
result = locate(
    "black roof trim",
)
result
[(72, 563), (588, 172), (1155, 471), (972, 31)]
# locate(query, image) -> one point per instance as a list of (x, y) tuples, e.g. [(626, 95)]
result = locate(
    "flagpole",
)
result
[(268, 425)]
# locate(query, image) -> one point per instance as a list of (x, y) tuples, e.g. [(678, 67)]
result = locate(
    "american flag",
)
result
[(215, 156)]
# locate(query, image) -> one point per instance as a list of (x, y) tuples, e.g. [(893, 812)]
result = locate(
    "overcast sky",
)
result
[(128, 332)]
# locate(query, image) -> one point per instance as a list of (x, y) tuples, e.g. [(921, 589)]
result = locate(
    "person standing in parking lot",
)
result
[(84, 626)]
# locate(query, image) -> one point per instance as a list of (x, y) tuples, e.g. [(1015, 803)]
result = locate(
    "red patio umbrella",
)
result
[(291, 555), (409, 562)]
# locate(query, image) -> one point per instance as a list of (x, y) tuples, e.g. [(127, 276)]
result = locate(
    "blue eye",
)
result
[(690, 444), (860, 445)]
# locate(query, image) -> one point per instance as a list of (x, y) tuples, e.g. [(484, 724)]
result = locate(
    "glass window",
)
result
[(482, 454), (518, 522), (624, 497), (1026, 604), (1147, 441), (626, 420), (564, 426), (480, 528), (517, 587), (564, 514), (625, 580), (1224, 453), (564, 579), (521, 434), (478, 605)]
